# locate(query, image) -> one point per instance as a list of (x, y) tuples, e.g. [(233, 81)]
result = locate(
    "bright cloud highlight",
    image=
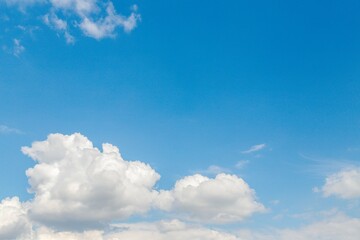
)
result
[(344, 184), (226, 198), (78, 186)]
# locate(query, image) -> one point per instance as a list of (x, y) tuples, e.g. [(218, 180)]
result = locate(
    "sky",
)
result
[(162, 120)]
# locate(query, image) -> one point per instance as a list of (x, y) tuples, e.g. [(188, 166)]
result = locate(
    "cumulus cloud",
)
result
[(225, 198), (344, 184), (94, 18), (254, 148), (79, 191), (14, 223), (78, 186)]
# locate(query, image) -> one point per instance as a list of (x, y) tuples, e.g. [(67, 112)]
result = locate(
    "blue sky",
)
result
[(188, 87)]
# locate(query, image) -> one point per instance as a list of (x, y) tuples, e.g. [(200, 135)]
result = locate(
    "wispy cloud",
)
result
[(8, 130), (255, 148), (214, 169), (241, 164)]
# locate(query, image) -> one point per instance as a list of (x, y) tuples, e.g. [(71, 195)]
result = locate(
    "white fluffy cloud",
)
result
[(344, 184), (80, 190), (14, 223), (76, 185), (225, 198), (94, 18)]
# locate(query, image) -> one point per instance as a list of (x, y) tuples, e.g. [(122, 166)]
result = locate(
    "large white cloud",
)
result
[(344, 184), (76, 185), (79, 190), (226, 198), (14, 223)]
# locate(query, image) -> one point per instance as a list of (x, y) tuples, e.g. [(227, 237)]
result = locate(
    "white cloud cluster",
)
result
[(75, 184), (14, 223), (79, 191), (226, 198), (94, 18), (344, 184)]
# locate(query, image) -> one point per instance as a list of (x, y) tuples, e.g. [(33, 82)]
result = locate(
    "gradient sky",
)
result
[(268, 91)]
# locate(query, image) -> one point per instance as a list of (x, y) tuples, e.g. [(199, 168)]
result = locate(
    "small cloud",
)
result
[(95, 19), (8, 130), (241, 164), (344, 184), (17, 48), (214, 170), (254, 148)]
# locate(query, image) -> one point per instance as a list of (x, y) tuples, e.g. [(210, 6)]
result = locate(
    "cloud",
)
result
[(241, 164), (213, 170), (8, 130), (18, 48), (80, 190), (105, 27), (162, 230), (97, 19), (78, 186), (344, 184), (339, 227), (254, 148), (52, 20), (225, 198), (14, 223), (23, 4)]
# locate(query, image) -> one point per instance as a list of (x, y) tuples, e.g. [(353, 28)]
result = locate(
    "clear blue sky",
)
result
[(193, 85)]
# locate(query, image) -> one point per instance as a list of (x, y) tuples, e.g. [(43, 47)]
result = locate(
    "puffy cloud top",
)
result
[(13, 219), (77, 185), (80, 190), (344, 184), (225, 198)]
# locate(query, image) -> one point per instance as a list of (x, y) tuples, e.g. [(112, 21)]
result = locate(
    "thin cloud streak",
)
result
[(255, 148), (8, 130)]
